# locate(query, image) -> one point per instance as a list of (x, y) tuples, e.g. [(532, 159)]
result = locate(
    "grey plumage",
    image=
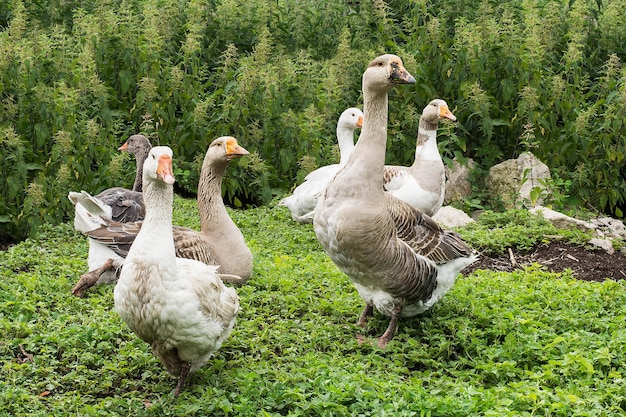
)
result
[(399, 259)]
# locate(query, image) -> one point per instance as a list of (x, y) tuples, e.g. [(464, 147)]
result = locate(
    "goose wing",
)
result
[(217, 302), (423, 234), (394, 177), (117, 236), (190, 244), (126, 205)]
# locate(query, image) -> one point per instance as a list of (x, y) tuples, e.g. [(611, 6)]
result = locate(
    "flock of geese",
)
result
[(371, 219)]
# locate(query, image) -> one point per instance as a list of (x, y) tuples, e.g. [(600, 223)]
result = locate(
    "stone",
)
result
[(605, 244), (610, 226), (449, 217), (458, 185), (514, 180), (562, 221)]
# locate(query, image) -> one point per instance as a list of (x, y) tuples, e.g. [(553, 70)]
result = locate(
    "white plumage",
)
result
[(179, 306), (423, 184), (304, 198)]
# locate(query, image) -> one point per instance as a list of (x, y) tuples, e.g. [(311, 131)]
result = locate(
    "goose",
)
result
[(179, 306), (118, 203), (422, 185), (219, 242), (400, 261), (301, 203)]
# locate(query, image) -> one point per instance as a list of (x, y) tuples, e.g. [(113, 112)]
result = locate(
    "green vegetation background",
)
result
[(78, 77)]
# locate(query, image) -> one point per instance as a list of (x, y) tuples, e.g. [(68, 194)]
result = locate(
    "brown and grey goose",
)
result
[(219, 241), (118, 203), (399, 259)]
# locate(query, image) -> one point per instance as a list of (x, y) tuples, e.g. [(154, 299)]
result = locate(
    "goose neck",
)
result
[(210, 203), (345, 138), (139, 159), (158, 199), (373, 139), (426, 144)]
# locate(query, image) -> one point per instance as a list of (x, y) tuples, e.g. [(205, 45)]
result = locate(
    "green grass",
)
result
[(499, 344)]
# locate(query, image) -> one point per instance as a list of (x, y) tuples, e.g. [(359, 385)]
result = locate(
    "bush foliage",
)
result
[(77, 78)]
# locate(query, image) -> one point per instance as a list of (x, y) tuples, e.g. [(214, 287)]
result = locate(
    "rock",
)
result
[(562, 221), (458, 186), (449, 217), (606, 244), (610, 226), (512, 181), (602, 227)]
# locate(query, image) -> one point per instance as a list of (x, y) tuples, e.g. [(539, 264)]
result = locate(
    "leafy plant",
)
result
[(80, 77), (495, 232), (524, 343)]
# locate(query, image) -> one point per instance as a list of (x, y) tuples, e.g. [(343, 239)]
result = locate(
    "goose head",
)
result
[(224, 149), (386, 71), (158, 166), (436, 110), (351, 118), (136, 144)]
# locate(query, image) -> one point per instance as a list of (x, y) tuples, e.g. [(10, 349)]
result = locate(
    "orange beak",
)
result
[(234, 150), (359, 122), (164, 169), (444, 111), (123, 147)]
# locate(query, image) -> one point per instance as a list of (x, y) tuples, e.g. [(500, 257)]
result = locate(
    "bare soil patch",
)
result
[(586, 264)]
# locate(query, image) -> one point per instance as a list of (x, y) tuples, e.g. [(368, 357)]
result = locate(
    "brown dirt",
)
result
[(586, 264)]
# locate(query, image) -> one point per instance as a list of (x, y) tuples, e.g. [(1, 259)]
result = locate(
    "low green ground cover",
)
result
[(499, 344)]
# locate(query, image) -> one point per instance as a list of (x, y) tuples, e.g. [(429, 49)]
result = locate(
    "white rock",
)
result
[(611, 226), (449, 217), (458, 185), (605, 244), (513, 180), (560, 220)]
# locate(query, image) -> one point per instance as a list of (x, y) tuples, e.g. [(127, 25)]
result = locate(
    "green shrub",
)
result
[(77, 78)]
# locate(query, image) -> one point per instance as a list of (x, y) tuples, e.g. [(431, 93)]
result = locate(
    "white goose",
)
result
[(399, 259), (220, 242), (423, 184), (179, 306), (120, 204), (302, 201)]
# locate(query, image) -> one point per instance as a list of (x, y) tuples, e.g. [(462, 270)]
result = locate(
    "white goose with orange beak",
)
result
[(179, 306)]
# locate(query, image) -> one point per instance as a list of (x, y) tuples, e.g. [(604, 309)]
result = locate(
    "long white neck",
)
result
[(155, 237), (426, 148), (345, 138)]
